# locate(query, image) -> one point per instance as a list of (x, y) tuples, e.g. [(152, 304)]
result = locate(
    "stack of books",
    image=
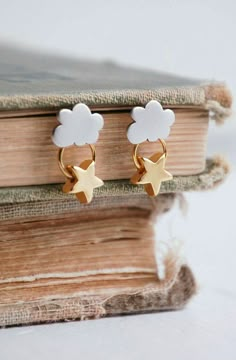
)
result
[(62, 260)]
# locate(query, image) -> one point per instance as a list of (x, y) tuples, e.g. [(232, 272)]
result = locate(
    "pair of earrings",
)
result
[(79, 127)]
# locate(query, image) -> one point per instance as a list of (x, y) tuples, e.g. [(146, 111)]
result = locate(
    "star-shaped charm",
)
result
[(83, 182), (152, 174)]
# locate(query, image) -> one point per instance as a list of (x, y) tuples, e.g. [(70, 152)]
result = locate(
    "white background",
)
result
[(194, 38)]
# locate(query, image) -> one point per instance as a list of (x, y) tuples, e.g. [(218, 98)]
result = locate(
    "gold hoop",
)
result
[(62, 166), (137, 158)]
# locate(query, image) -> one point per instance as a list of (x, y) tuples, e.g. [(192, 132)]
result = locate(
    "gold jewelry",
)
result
[(81, 180), (78, 127), (151, 172), (150, 123)]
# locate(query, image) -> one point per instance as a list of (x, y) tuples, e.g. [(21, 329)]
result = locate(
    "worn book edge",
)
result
[(214, 97), (215, 171), (92, 306)]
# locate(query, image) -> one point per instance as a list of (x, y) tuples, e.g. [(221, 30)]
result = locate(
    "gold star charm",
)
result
[(83, 182), (152, 174)]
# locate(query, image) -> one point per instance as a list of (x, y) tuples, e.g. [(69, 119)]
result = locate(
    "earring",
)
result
[(78, 127), (151, 123)]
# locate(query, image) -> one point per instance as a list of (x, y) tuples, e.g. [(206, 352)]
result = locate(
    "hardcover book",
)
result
[(33, 88), (62, 260)]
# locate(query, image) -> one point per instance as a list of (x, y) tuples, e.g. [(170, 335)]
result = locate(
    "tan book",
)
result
[(34, 88), (61, 260), (89, 265)]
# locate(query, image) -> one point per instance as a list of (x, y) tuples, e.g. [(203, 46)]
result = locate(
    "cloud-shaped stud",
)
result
[(150, 123), (78, 127)]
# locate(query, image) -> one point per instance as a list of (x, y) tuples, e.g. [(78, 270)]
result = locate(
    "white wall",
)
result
[(195, 38)]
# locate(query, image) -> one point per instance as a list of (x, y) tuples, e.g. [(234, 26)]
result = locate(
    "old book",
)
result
[(34, 87), (89, 264), (24, 202), (61, 260)]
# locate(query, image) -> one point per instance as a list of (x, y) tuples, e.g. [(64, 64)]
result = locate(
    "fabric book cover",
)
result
[(62, 260)]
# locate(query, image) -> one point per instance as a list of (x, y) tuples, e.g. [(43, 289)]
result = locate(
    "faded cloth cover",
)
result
[(35, 81), (55, 289), (173, 297), (28, 201)]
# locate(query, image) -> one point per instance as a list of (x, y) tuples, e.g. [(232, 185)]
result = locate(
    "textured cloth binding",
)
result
[(96, 306), (17, 202), (42, 81)]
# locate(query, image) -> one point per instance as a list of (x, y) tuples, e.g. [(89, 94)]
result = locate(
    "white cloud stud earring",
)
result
[(151, 123), (78, 127)]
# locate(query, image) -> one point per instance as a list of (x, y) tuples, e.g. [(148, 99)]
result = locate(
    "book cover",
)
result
[(61, 260)]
